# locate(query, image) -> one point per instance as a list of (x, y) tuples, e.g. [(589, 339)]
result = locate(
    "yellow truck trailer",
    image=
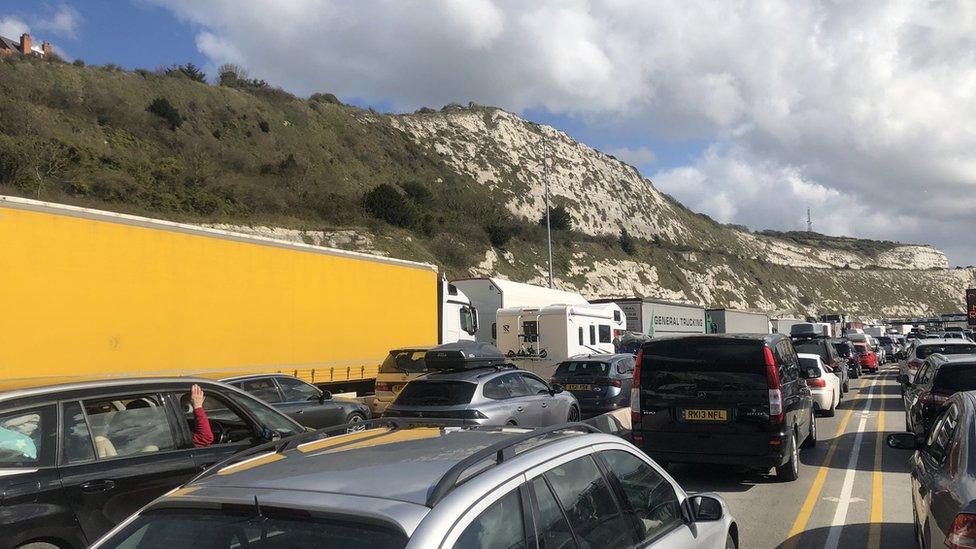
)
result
[(86, 292)]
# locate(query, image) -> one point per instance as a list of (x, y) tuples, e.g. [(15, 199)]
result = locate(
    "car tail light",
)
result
[(914, 364), (962, 534), (934, 398), (775, 389), (382, 387), (635, 409), (615, 382), (817, 382)]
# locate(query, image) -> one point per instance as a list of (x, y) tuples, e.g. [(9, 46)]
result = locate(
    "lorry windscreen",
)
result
[(683, 365), (428, 392)]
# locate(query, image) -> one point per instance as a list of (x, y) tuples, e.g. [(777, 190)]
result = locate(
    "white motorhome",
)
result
[(537, 339), (488, 295)]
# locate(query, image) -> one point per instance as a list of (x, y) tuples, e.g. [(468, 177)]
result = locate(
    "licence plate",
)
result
[(576, 387), (705, 415)]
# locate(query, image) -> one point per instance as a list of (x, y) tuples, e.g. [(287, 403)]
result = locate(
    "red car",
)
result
[(866, 357)]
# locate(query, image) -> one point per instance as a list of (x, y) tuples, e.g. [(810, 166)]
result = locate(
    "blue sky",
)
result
[(727, 106)]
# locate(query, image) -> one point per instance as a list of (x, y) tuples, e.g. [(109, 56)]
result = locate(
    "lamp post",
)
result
[(545, 177)]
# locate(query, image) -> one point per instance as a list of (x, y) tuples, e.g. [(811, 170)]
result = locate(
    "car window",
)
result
[(506, 386), (814, 348), (940, 438), (706, 364), (592, 334), (536, 386), (77, 442), (651, 499), (296, 389), (923, 375), (923, 351), (405, 361), (582, 368), (586, 499), (432, 392), (227, 423), (955, 378), (553, 531), (501, 525), (268, 417), (27, 437), (129, 425), (263, 388)]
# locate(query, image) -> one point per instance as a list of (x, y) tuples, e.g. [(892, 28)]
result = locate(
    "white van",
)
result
[(537, 339)]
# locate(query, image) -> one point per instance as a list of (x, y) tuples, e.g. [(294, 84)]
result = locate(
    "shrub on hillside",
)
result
[(499, 234), (627, 243), (162, 108), (559, 219), (417, 191), (386, 202), (189, 70)]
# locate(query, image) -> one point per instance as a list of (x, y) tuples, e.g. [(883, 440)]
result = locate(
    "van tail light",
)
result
[(635, 408), (962, 534), (817, 382), (776, 415), (382, 387), (934, 398)]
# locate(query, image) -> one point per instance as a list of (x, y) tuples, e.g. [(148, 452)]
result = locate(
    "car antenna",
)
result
[(257, 510)]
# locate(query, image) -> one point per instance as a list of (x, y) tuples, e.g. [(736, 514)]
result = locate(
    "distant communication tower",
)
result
[(809, 222)]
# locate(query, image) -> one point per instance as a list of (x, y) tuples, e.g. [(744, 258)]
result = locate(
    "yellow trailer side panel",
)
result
[(84, 295)]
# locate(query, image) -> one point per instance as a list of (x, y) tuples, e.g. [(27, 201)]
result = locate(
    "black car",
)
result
[(734, 399), (79, 458), (601, 383), (939, 377), (822, 346), (303, 402), (845, 350), (942, 475)]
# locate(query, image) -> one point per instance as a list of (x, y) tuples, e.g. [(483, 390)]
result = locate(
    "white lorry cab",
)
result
[(459, 318), (538, 339)]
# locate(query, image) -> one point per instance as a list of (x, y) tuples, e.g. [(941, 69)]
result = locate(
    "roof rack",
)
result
[(501, 451)]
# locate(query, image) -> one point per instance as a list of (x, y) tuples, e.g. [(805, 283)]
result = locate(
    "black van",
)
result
[(735, 399)]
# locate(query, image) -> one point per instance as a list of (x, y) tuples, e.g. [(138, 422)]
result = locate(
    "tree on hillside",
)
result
[(559, 219), (627, 243), (386, 202), (189, 70), (229, 73)]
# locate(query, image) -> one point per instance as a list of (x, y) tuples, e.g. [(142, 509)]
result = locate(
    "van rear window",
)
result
[(682, 365), (423, 392)]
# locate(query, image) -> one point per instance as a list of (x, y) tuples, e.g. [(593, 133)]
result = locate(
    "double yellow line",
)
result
[(813, 495)]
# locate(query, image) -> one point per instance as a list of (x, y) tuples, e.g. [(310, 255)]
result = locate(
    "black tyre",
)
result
[(730, 542), (790, 471), (847, 386), (574, 414), (832, 411), (811, 439), (358, 422)]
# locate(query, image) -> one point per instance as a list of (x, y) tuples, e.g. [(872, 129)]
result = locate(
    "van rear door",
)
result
[(705, 395)]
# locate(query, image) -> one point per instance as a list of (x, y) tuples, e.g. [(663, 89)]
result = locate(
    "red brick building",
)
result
[(24, 47)]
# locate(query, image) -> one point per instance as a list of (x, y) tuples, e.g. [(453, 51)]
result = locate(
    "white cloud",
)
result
[(64, 22), (12, 28), (635, 156), (861, 109)]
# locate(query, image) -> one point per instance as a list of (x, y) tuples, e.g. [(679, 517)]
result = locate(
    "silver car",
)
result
[(399, 485), (923, 348), (486, 396)]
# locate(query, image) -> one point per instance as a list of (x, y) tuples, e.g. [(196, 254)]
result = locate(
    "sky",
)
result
[(751, 112)]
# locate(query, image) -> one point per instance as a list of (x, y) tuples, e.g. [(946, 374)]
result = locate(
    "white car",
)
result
[(824, 385)]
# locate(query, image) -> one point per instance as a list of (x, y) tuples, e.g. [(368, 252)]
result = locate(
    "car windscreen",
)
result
[(958, 377), (924, 351), (813, 348), (428, 392), (405, 362), (212, 529), (582, 368), (682, 365)]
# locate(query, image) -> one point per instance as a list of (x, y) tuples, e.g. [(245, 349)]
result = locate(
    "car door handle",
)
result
[(519, 409), (299, 412), (545, 404), (95, 486)]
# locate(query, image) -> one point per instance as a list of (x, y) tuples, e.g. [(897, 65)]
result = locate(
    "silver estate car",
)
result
[(405, 485), (486, 396)]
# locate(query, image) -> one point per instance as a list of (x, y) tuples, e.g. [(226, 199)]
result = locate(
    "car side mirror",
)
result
[(269, 435), (904, 441), (326, 395), (705, 509), (556, 388)]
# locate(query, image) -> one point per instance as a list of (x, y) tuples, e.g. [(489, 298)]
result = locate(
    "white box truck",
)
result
[(783, 325), (537, 339), (488, 295), (655, 317), (728, 321)]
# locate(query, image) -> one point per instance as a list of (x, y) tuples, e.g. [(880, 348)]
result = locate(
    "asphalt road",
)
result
[(853, 490)]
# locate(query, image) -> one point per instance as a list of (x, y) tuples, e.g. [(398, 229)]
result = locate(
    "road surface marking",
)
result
[(877, 489), (803, 517), (844, 502)]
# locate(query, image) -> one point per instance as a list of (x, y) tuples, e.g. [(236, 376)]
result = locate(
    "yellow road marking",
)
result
[(803, 517), (877, 490)]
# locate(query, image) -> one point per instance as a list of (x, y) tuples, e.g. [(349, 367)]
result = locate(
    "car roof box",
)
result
[(464, 355), (807, 329)]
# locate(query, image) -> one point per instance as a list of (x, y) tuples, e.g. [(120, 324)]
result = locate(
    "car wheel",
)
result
[(847, 386), (790, 471), (358, 422), (574, 414), (730, 542), (811, 440), (37, 545)]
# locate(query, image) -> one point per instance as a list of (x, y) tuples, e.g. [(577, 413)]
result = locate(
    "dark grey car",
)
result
[(943, 469), (303, 402), (601, 383), (486, 396)]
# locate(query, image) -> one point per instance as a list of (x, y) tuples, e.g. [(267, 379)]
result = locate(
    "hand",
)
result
[(196, 396)]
